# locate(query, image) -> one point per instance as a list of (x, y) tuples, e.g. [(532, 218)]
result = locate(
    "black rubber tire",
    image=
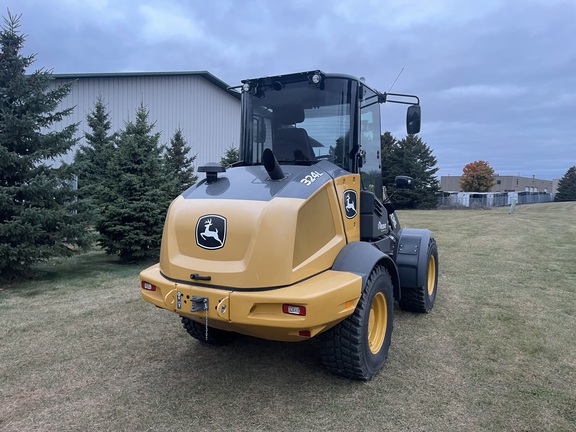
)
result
[(345, 348), (422, 299), (215, 336)]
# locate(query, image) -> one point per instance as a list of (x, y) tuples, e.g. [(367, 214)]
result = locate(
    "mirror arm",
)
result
[(383, 98)]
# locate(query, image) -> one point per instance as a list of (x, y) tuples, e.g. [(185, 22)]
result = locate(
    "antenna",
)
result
[(395, 80)]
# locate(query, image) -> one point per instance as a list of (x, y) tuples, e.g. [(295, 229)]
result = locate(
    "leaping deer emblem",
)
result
[(350, 204), (210, 234)]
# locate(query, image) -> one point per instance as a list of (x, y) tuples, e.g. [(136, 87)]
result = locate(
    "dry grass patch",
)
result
[(81, 351)]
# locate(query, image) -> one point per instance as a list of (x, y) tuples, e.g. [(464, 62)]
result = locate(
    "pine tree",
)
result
[(231, 155), (179, 166), (92, 159), (567, 186), (477, 176), (38, 207), (137, 194), (411, 157)]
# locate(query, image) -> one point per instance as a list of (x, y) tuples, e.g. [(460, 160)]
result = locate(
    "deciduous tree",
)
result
[(477, 176)]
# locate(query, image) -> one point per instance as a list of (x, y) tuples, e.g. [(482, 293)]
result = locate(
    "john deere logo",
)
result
[(350, 201), (211, 232)]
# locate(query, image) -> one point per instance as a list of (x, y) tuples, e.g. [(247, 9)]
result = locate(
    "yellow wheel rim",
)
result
[(377, 323), (431, 275)]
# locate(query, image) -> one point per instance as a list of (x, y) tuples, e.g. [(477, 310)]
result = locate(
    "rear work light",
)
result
[(294, 310), (148, 286)]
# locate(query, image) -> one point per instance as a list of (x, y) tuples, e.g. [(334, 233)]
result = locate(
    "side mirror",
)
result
[(413, 119), (404, 182)]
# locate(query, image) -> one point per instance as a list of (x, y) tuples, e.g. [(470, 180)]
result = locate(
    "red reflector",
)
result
[(148, 286), (294, 310), (305, 333)]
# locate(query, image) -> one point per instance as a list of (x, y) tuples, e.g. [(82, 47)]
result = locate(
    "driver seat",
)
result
[(290, 142)]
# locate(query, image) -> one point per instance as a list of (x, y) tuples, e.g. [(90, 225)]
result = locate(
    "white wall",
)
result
[(208, 115)]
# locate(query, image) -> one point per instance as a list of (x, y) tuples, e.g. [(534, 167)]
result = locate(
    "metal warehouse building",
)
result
[(503, 184), (196, 102)]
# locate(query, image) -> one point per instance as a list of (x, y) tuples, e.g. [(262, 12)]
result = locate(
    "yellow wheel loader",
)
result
[(297, 240)]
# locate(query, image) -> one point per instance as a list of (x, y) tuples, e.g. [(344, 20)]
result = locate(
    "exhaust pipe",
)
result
[(272, 166)]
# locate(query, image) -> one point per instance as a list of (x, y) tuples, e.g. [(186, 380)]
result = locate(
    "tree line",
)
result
[(127, 180), (115, 193)]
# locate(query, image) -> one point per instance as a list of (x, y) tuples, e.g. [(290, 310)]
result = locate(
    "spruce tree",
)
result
[(92, 158), (38, 207), (137, 193), (567, 186), (179, 166), (411, 157), (231, 155)]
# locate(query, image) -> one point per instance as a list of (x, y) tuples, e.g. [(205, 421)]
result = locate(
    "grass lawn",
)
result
[(80, 350)]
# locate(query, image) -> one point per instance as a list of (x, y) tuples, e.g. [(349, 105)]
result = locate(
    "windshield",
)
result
[(300, 121)]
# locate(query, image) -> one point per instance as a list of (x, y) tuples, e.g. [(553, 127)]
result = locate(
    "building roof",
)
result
[(204, 74)]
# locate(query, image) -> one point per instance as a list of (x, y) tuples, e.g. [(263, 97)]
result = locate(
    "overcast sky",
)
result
[(496, 78)]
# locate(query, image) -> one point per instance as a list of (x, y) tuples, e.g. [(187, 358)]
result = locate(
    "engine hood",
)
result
[(245, 231), (254, 183)]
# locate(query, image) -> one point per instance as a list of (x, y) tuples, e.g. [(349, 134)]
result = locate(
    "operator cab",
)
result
[(302, 118), (307, 117)]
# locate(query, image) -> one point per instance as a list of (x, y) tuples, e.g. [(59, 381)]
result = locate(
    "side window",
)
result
[(371, 170)]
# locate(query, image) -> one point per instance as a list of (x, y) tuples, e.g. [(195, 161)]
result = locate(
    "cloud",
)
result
[(167, 22), (88, 4), (484, 91), (82, 12), (400, 14)]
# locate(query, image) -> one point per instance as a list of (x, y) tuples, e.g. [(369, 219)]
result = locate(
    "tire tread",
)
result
[(341, 347)]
